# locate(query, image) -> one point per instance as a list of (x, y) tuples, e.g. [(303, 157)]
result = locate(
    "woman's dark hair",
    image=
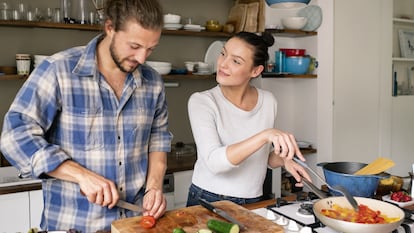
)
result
[(260, 43), (148, 13)]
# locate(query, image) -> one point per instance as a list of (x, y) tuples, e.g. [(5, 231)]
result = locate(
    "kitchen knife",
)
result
[(220, 212), (126, 205)]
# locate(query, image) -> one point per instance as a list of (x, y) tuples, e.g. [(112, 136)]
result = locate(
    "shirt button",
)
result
[(120, 188), (119, 137), (120, 163)]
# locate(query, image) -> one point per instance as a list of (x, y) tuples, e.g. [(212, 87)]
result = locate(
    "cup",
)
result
[(189, 65), (23, 64), (57, 18), (4, 14), (280, 61), (16, 15)]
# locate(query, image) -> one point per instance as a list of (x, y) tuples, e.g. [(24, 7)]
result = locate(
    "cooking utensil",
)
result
[(377, 166), (220, 212), (352, 227), (342, 173), (336, 188), (129, 206), (314, 189)]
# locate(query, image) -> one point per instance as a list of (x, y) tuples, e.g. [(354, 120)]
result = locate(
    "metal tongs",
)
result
[(337, 188)]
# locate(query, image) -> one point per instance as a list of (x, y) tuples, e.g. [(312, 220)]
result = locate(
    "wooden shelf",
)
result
[(400, 20), (182, 76), (403, 59), (291, 33), (279, 75), (12, 77), (88, 27)]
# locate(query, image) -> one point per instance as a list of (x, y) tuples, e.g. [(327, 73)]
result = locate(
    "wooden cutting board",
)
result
[(193, 218)]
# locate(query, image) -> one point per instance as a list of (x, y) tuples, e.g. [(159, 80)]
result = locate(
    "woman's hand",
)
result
[(284, 144), (296, 170)]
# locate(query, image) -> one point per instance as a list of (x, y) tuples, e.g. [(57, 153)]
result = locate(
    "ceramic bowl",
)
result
[(214, 27), (287, 3), (297, 64), (172, 19), (293, 52), (160, 67), (294, 22)]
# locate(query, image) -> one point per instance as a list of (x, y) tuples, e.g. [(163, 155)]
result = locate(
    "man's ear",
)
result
[(108, 26)]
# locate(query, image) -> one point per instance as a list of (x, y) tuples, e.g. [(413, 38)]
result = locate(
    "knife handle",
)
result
[(206, 204)]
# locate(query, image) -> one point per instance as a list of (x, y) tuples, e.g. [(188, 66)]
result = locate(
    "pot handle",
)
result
[(321, 164)]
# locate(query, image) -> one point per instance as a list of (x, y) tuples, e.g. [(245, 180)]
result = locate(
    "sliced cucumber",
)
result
[(222, 227), (178, 230), (204, 231)]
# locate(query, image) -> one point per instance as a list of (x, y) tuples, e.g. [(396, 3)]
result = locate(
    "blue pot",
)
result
[(297, 65), (341, 173)]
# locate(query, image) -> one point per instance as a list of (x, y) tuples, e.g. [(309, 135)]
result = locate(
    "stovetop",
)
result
[(297, 217)]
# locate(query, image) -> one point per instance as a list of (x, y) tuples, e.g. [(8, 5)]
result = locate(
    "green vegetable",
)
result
[(222, 227), (204, 231), (178, 230)]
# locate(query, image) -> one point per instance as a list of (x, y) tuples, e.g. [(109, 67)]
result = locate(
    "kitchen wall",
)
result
[(175, 49)]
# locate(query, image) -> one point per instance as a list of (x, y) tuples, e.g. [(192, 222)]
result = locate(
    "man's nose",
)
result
[(141, 55)]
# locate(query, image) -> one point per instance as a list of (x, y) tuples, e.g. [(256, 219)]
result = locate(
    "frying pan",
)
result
[(351, 227)]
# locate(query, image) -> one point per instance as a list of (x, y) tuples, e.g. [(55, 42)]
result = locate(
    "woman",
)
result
[(233, 125)]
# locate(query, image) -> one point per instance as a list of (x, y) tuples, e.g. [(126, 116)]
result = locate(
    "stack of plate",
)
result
[(173, 26), (194, 27)]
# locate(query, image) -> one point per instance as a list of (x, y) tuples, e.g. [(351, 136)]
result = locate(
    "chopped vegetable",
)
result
[(222, 227), (204, 231), (400, 196), (147, 222), (364, 215), (178, 230)]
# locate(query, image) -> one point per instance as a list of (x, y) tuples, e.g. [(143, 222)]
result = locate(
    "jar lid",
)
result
[(22, 56)]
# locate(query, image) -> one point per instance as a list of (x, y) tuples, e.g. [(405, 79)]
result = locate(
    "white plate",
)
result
[(203, 73), (400, 204), (314, 15), (212, 54), (173, 26)]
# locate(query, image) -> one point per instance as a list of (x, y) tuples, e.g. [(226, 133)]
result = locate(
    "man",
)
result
[(92, 123)]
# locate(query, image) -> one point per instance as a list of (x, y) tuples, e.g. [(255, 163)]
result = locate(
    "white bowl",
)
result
[(352, 227), (294, 22), (172, 19), (160, 67)]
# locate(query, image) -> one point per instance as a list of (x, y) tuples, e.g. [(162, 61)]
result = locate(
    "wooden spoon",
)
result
[(379, 165)]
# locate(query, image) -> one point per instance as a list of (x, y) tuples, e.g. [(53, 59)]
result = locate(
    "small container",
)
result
[(23, 64), (280, 57)]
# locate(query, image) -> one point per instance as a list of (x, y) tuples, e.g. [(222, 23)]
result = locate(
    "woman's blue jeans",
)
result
[(195, 193)]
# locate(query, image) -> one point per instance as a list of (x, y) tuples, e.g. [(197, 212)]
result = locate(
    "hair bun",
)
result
[(268, 38)]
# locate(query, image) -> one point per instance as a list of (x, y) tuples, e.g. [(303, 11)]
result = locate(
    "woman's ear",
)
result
[(257, 71)]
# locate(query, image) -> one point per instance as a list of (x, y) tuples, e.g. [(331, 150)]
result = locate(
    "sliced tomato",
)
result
[(147, 222)]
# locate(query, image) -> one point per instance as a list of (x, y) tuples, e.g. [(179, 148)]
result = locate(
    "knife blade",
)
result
[(126, 205), (220, 212)]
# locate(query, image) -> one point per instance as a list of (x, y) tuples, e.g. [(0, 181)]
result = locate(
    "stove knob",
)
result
[(270, 215), (282, 221), (305, 230), (293, 226)]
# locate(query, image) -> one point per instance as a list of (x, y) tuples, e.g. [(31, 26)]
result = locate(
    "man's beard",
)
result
[(118, 61)]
